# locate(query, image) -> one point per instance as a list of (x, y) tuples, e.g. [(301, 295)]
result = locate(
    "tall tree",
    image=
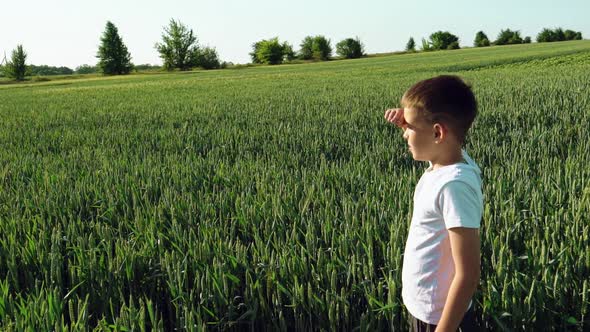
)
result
[(559, 34), (322, 50), (481, 39), (179, 48), (569, 34), (2, 63), (306, 48), (546, 35), (255, 48), (114, 59), (16, 68), (426, 47), (508, 37), (411, 45)]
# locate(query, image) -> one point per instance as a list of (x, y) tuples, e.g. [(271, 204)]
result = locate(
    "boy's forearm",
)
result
[(460, 292)]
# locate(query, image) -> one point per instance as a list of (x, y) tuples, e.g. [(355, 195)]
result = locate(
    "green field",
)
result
[(278, 197)]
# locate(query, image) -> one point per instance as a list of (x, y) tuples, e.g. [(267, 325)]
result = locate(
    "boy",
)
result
[(442, 257)]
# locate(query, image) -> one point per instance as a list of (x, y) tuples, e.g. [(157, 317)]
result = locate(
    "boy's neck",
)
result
[(449, 157)]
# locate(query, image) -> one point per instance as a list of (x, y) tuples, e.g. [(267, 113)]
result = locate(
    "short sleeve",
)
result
[(460, 205)]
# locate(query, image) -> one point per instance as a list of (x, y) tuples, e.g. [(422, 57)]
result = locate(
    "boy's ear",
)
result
[(439, 132)]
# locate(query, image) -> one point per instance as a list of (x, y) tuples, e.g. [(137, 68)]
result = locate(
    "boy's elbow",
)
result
[(474, 281), (469, 279)]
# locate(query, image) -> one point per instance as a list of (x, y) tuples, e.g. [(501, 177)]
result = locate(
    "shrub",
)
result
[(548, 35), (322, 50), (317, 48), (572, 35), (146, 67), (426, 47), (207, 58), (350, 48), (86, 69), (268, 51), (442, 40), (453, 46), (306, 48), (288, 53), (44, 70), (508, 37)]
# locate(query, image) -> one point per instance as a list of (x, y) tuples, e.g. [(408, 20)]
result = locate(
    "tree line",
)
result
[(444, 40), (179, 50), (316, 48)]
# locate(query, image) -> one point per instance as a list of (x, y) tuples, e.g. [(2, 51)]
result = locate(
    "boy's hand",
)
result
[(396, 116)]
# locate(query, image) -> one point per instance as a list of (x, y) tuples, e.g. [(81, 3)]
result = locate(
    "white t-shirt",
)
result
[(447, 197)]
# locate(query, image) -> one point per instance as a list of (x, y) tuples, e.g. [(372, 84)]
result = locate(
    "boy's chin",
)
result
[(417, 157)]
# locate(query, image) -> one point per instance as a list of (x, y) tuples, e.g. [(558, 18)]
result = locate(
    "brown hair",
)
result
[(444, 99)]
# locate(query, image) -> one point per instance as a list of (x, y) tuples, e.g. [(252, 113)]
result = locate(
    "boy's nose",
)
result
[(405, 135)]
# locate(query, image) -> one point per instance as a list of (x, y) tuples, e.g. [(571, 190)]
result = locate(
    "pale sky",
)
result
[(67, 32)]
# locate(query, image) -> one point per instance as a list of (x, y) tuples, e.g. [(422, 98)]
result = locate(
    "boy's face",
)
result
[(420, 135)]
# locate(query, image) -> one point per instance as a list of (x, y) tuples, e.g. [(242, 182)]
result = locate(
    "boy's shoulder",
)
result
[(465, 171)]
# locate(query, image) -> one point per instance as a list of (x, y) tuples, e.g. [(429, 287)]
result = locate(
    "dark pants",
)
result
[(467, 324)]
